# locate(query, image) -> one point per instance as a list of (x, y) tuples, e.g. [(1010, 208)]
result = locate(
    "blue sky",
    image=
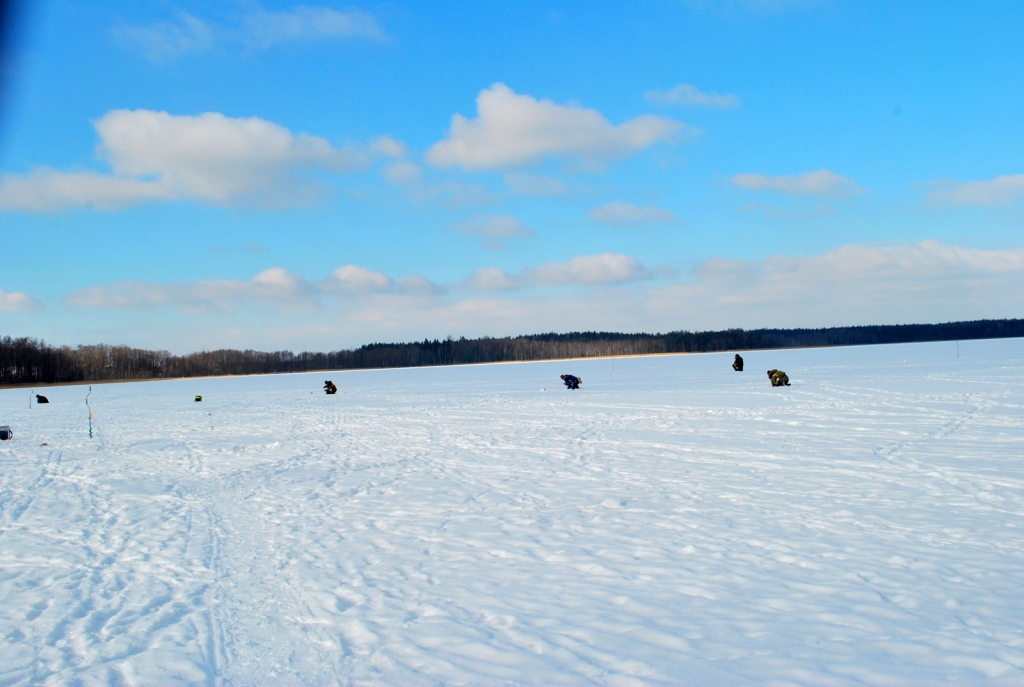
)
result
[(190, 175)]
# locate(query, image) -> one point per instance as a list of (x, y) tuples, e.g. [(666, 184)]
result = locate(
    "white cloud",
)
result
[(207, 157), (271, 285), (492, 279), (513, 130), (852, 285), (419, 286), (167, 40), (14, 301), (492, 229), (1002, 190), (263, 29), (621, 214), (685, 94), (855, 284), (526, 184), (604, 269), (385, 145), (601, 269), (47, 190), (358, 279), (822, 183), (275, 286)]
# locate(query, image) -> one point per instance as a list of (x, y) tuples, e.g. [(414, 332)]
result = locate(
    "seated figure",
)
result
[(778, 378), (737, 364), (329, 388), (42, 399), (571, 381)]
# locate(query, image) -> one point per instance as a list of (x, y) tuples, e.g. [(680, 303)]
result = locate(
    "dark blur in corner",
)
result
[(10, 11)]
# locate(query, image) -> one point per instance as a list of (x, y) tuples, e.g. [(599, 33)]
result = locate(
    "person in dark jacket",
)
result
[(738, 363), (42, 399), (571, 381), (778, 378), (329, 388)]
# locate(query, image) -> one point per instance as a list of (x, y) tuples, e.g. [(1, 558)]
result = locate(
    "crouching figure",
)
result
[(329, 388), (738, 363), (42, 399), (778, 378), (571, 381)]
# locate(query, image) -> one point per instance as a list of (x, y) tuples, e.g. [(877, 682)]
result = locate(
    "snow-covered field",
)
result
[(671, 522)]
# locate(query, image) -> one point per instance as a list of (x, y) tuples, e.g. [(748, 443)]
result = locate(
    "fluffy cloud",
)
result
[(264, 29), (492, 229), (385, 145), (358, 279), (851, 285), (685, 94), (207, 157), (621, 214), (167, 40), (513, 130), (275, 286), (48, 190), (1002, 190), (604, 269), (270, 285), (822, 183), (13, 301), (492, 279), (855, 284)]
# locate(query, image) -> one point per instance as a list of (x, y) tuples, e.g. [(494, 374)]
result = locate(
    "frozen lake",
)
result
[(672, 522)]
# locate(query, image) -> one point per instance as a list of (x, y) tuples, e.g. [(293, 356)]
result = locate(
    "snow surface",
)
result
[(671, 522)]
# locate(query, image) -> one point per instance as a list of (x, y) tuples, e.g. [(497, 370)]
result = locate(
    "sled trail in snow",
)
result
[(671, 522)]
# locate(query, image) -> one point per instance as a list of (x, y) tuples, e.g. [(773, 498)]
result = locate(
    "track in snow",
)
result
[(671, 522)]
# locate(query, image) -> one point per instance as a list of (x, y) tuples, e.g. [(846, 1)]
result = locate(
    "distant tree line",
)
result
[(31, 361)]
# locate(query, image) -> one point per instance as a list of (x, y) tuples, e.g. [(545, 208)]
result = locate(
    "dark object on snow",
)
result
[(738, 363), (571, 381), (778, 377), (329, 388), (198, 398), (42, 399), (6, 433)]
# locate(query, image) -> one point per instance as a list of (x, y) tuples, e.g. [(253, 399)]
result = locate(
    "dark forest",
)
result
[(31, 361)]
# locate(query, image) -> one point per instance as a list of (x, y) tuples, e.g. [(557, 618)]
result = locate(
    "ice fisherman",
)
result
[(737, 364), (778, 378), (571, 381), (329, 388)]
